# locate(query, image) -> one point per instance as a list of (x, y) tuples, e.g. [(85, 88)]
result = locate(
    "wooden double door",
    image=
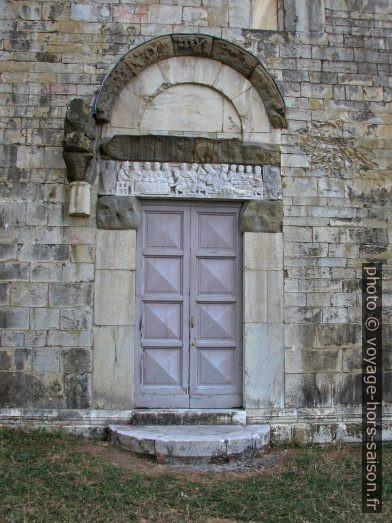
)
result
[(189, 306)]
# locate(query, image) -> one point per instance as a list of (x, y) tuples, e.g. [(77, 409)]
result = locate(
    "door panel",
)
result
[(215, 344), (162, 308), (189, 306)]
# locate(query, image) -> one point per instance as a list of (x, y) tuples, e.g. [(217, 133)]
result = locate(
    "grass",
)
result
[(59, 478)]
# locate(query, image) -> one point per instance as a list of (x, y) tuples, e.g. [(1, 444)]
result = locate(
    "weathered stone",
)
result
[(70, 294), (46, 360), (113, 85), (76, 360), (188, 149), (114, 297), (78, 391), (4, 293), (78, 142), (269, 93), (23, 359), (79, 199), (79, 119), (43, 318), (262, 216), (77, 164), (5, 359), (15, 318), (264, 368), (14, 271), (192, 45), (113, 367), (118, 212), (148, 53), (76, 318), (116, 250), (233, 56), (197, 441), (307, 15), (70, 338), (272, 182), (43, 390), (263, 251)]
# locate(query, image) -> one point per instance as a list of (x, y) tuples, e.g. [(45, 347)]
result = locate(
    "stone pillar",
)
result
[(263, 321), (114, 312)]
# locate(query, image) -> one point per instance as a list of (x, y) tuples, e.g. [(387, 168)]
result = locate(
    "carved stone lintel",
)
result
[(118, 213), (160, 148), (262, 216), (183, 180)]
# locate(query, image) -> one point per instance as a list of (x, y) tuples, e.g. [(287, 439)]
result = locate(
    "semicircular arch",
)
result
[(196, 45)]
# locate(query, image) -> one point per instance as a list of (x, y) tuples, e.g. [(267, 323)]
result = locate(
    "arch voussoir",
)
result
[(133, 62)]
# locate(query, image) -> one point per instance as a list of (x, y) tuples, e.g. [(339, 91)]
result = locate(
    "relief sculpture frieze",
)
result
[(190, 180)]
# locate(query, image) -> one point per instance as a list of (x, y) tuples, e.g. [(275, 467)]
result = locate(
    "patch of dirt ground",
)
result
[(271, 461)]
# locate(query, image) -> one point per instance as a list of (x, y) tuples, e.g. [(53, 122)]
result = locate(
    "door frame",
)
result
[(186, 401)]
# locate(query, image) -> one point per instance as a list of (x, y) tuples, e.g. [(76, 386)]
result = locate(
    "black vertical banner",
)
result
[(372, 387)]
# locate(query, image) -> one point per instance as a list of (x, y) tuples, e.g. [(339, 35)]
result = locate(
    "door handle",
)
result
[(192, 322)]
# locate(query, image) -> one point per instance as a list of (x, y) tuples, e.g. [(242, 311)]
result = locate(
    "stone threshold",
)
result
[(189, 417), (209, 442)]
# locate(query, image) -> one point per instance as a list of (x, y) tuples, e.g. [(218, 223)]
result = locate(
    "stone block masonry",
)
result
[(336, 167)]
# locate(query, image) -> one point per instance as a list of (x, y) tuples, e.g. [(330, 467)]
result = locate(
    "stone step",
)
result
[(212, 442), (189, 417)]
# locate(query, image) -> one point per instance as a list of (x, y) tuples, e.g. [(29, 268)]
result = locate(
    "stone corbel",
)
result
[(79, 146)]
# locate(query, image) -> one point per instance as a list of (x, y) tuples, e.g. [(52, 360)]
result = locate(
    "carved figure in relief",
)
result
[(157, 175), (180, 183), (147, 173), (207, 180), (226, 182), (257, 182), (136, 171), (211, 179), (201, 187), (167, 174), (124, 174), (241, 178), (249, 173), (193, 177)]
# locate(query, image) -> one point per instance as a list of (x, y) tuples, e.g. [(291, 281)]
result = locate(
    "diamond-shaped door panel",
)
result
[(162, 321), (215, 367), (216, 321), (163, 275), (162, 367), (216, 276), (164, 230), (216, 231)]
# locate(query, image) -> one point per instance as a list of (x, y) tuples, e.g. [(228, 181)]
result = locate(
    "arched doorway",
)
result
[(189, 126)]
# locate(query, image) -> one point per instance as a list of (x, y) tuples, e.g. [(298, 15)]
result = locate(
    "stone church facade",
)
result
[(189, 190)]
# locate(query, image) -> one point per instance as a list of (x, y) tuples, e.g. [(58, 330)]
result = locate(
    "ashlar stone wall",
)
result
[(336, 172)]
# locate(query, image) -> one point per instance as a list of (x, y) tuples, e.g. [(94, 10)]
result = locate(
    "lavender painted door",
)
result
[(188, 343)]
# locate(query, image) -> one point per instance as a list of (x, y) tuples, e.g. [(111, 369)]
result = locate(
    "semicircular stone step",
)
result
[(192, 441)]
